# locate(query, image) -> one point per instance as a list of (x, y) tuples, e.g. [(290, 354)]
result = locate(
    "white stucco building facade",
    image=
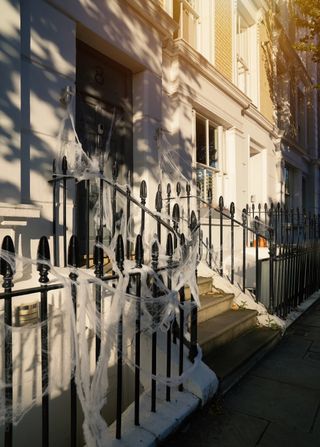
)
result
[(191, 70)]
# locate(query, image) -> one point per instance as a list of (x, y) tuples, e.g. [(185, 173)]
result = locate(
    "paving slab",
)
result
[(307, 332), (274, 401), (304, 373), (312, 318), (227, 429), (292, 346), (316, 425), (278, 435), (315, 346)]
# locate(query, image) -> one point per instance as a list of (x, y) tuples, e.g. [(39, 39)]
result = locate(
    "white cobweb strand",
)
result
[(81, 327)]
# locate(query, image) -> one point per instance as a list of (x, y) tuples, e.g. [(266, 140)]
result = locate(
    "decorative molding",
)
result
[(182, 50), (153, 12)]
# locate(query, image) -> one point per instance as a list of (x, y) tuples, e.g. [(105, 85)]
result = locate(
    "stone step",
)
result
[(223, 328), (213, 304), (204, 286), (233, 360)]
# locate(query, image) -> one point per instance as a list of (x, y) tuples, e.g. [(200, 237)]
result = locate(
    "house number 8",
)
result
[(98, 77)]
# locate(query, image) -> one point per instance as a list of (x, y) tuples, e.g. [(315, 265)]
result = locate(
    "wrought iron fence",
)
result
[(290, 239), (285, 245), (71, 258), (134, 288)]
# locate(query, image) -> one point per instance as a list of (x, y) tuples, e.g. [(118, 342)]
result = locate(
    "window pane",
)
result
[(201, 140), (213, 153)]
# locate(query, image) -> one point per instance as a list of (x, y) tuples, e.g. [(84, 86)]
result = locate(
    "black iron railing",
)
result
[(173, 238), (287, 275), (282, 279), (134, 288)]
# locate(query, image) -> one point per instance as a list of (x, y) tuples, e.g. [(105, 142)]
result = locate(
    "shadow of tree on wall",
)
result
[(30, 103)]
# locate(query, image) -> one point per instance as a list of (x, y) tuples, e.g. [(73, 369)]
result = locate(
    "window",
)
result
[(288, 185), (206, 142), (246, 64), (301, 117), (207, 150), (185, 14)]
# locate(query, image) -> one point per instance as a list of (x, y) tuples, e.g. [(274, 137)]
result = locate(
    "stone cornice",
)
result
[(152, 11), (253, 113), (179, 48)]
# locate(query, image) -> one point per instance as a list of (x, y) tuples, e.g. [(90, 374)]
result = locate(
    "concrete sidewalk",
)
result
[(277, 404)]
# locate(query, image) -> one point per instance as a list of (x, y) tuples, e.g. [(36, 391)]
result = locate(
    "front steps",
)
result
[(230, 340), (224, 328), (234, 359)]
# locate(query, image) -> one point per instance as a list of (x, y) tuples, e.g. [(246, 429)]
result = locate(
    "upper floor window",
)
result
[(246, 64), (301, 118), (186, 15)]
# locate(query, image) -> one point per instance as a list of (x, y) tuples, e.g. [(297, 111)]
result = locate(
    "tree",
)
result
[(309, 21)]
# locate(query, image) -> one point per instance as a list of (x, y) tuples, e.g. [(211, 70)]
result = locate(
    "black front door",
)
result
[(104, 127)]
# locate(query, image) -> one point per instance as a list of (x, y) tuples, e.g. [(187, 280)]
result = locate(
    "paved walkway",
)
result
[(276, 405)]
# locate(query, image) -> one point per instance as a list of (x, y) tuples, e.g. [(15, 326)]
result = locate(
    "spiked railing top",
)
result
[(169, 247), (176, 214), (158, 203), (143, 190), (221, 203), (188, 189), (178, 189), (193, 221), (210, 195), (54, 167), (168, 189), (6, 268), (64, 165), (73, 252), (139, 251), (232, 208), (43, 254), (244, 216), (120, 252)]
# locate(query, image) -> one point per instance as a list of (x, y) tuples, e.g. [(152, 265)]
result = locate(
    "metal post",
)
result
[(74, 261), (158, 206), (221, 205), (120, 263), (155, 257), (194, 310), (169, 253), (139, 262), (54, 212), (98, 263), (115, 172), (232, 212), (181, 324), (210, 226), (143, 197), (244, 244), (43, 268), (7, 271), (64, 168)]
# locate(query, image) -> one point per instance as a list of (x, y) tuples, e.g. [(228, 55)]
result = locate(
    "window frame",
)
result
[(208, 123)]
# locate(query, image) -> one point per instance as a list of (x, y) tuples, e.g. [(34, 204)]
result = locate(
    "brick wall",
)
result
[(223, 37)]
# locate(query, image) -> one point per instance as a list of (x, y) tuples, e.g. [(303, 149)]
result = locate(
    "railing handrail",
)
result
[(132, 199), (236, 221)]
